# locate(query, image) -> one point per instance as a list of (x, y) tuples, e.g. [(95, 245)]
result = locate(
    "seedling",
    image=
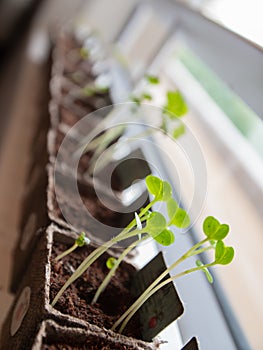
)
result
[(152, 79), (174, 108), (93, 89), (215, 233), (79, 242), (145, 96), (110, 263), (153, 224), (84, 53)]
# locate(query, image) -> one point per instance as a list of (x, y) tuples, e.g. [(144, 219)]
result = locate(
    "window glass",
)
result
[(246, 121)]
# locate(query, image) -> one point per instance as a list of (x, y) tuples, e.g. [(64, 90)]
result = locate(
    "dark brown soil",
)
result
[(77, 72), (67, 153), (69, 50), (78, 217), (76, 300), (69, 118), (78, 97)]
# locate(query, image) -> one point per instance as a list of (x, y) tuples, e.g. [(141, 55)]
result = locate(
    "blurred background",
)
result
[(212, 50)]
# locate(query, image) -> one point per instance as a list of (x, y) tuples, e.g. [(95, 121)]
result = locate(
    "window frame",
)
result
[(235, 60)]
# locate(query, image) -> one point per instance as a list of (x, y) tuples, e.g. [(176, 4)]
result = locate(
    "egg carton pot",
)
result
[(34, 218), (32, 303), (71, 73), (52, 334)]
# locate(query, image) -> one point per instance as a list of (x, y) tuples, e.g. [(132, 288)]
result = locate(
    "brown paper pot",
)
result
[(76, 96), (51, 335), (33, 219), (62, 118), (83, 207), (32, 304), (72, 73), (39, 208), (67, 57)]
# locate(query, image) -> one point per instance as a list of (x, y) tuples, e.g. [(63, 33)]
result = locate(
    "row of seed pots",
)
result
[(46, 230)]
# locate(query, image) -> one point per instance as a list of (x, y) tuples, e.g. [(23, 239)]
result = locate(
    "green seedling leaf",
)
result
[(206, 271), (152, 79), (135, 99), (147, 96), (172, 207), (147, 214), (167, 191), (84, 53), (91, 90), (221, 232), (166, 237), (88, 91), (179, 131), (223, 255), (228, 256), (139, 99), (110, 263), (154, 186), (164, 126), (210, 226), (219, 250), (155, 224), (82, 240), (214, 230), (176, 106), (181, 218)]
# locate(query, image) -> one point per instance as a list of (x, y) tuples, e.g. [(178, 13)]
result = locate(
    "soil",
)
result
[(83, 165), (69, 49), (77, 72), (68, 152), (93, 102), (76, 300), (95, 208), (69, 118)]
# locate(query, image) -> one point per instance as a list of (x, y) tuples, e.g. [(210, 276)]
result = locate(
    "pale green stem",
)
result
[(66, 252), (159, 286), (100, 250), (133, 222), (106, 138), (105, 121), (158, 279), (103, 162), (93, 144), (113, 270), (202, 250), (82, 268), (109, 136), (142, 134), (101, 146)]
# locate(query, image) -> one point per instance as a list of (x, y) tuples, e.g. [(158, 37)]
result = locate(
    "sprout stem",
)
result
[(66, 252), (113, 270), (158, 279), (154, 290), (102, 249)]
